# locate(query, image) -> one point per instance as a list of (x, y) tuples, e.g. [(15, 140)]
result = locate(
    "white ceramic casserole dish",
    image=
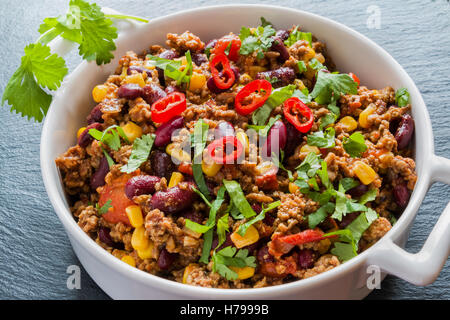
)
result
[(350, 51)]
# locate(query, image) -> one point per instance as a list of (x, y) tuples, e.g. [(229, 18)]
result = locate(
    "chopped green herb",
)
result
[(402, 97), (139, 153), (243, 227), (265, 23), (368, 196), (297, 35), (355, 145), (303, 95), (301, 66), (222, 229), (258, 41), (104, 208), (326, 120), (237, 196), (322, 139), (110, 137), (200, 136), (264, 130), (316, 65), (172, 68), (276, 98), (228, 257), (318, 216), (329, 85), (361, 223)]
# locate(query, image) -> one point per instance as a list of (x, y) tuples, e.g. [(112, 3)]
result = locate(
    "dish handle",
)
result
[(421, 268)]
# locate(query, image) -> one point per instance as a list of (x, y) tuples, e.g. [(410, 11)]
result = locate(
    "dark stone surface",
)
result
[(34, 250)]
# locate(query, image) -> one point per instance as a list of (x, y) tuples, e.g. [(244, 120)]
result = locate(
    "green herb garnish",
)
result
[(297, 35), (322, 139), (355, 145), (402, 97), (200, 136), (329, 85), (104, 208), (237, 196), (258, 41), (276, 98), (228, 257), (139, 153), (243, 227)]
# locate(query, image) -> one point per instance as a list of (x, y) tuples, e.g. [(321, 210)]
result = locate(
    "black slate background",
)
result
[(34, 249)]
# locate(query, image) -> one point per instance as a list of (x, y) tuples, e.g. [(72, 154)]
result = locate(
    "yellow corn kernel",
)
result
[(299, 84), (244, 78), (80, 131), (146, 253), (134, 214), (253, 70), (364, 115), (175, 179), (175, 151), (310, 73), (243, 139), (132, 131), (183, 61), (197, 81), (307, 149), (243, 273), (293, 187), (320, 58), (124, 73), (187, 271), (264, 167), (386, 159), (210, 168), (250, 236), (309, 55), (364, 172), (135, 78), (99, 92), (139, 241), (348, 123), (129, 260)]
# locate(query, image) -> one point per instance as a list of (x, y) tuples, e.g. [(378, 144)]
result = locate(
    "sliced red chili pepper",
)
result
[(168, 107), (226, 78), (252, 96), (230, 43), (355, 78), (293, 108), (218, 148)]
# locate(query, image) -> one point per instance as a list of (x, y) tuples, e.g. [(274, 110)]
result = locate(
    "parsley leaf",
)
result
[(355, 145), (329, 85), (258, 41), (38, 69), (402, 97), (297, 35), (104, 208), (322, 139), (139, 153), (237, 196)]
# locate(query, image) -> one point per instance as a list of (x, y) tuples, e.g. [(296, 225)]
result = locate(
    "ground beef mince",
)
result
[(269, 165)]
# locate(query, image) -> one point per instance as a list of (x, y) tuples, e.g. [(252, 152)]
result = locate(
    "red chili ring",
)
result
[(223, 158), (295, 103), (228, 76), (256, 86), (168, 107)]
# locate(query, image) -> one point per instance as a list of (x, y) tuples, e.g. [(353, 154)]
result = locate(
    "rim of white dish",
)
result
[(423, 181)]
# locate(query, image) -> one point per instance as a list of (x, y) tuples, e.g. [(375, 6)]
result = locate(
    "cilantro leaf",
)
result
[(361, 223), (355, 145), (172, 68), (301, 66), (222, 228), (322, 139), (329, 84), (243, 227), (104, 208), (264, 130), (276, 98), (297, 35), (237, 196), (139, 153), (228, 257), (402, 97), (200, 135), (258, 41), (265, 23), (316, 65), (368, 196), (38, 69), (318, 216), (326, 120), (110, 137)]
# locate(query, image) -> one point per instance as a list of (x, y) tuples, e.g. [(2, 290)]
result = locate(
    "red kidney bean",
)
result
[(142, 184), (139, 70), (401, 195), (283, 34), (358, 191), (404, 132), (164, 132), (252, 248), (212, 86), (95, 115), (130, 91), (211, 44), (236, 73), (162, 164), (105, 237), (348, 218), (166, 259), (223, 129), (193, 215), (98, 178), (170, 89), (293, 139), (175, 199), (306, 259), (277, 136), (152, 93), (199, 58), (256, 207), (264, 256), (85, 138), (227, 243), (278, 46), (284, 75)]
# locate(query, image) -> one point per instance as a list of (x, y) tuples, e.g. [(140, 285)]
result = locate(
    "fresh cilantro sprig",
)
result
[(139, 153), (40, 71), (104, 208), (200, 136), (322, 139), (331, 86), (172, 68), (243, 227), (297, 35), (228, 257), (277, 97), (259, 40), (355, 145)]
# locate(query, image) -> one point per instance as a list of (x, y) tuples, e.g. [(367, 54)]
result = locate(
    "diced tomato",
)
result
[(115, 192), (224, 46)]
